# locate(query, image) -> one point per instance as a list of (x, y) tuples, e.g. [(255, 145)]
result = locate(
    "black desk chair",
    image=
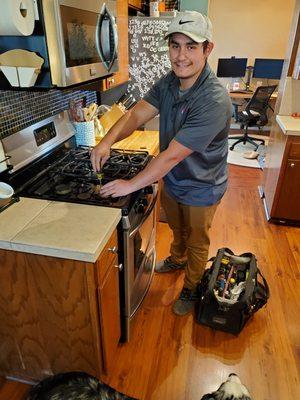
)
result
[(255, 114)]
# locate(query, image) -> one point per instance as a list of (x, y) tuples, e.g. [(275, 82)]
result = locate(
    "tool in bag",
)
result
[(231, 291)]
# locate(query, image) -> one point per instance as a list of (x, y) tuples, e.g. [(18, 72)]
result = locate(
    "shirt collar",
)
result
[(174, 84)]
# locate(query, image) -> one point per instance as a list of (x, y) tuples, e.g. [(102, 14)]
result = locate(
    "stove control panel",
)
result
[(44, 133)]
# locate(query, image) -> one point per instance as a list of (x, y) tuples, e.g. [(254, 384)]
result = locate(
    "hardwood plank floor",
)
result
[(174, 358)]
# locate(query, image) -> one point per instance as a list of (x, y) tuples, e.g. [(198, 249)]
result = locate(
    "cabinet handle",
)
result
[(113, 250), (292, 165), (120, 267)]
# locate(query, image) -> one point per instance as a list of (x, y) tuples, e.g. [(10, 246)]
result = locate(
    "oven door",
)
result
[(84, 45), (139, 262)]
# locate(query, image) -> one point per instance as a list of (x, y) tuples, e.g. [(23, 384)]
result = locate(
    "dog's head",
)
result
[(232, 389)]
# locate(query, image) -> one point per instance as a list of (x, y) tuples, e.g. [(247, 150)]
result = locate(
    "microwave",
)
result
[(81, 38)]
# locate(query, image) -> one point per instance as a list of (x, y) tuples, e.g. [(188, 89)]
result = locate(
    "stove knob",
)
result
[(139, 208), (144, 201), (148, 190)]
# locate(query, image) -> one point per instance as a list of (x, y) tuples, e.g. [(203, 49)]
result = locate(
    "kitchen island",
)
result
[(59, 289)]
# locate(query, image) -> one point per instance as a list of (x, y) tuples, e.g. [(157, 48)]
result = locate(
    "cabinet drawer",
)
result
[(108, 256), (294, 151)]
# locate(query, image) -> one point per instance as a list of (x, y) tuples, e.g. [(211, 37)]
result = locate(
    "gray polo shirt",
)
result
[(199, 120)]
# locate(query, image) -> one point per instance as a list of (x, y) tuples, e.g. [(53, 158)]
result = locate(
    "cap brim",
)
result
[(194, 37)]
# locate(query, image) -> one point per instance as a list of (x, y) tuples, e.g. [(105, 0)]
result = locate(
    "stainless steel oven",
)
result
[(81, 38), (139, 254)]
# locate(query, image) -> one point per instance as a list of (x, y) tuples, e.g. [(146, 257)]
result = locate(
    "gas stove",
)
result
[(65, 172), (72, 179)]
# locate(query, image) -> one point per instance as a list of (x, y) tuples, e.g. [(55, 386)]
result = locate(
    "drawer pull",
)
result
[(120, 267), (292, 165), (113, 250)]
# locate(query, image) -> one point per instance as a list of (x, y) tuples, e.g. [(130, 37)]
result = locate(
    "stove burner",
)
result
[(83, 187), (84, 196), (137, 159), (118, 159), (75, 167), (63, 189)]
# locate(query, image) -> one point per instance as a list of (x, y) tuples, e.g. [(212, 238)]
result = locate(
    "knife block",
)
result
[(111, 117)]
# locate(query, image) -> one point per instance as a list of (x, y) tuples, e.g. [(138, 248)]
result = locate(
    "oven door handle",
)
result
[(145, 216)]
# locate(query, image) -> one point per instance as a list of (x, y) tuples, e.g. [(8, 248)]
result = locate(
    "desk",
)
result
[(236, 95)]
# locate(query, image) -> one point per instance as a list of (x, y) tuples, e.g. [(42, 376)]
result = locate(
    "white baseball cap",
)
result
[(192, 24)]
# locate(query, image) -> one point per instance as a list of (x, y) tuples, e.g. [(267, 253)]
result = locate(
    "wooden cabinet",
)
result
[(289, 197), (122, 75), (58, 315), (109, 308), (281, 188), (135, 4)]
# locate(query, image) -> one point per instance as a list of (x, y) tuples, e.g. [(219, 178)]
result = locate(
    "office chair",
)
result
[(255, 114)]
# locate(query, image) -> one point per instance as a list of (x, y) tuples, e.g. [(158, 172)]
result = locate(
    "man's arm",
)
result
[(133, 119), (154, 171)]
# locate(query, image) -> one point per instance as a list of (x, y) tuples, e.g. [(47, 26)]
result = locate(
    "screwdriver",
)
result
[(100, 175)]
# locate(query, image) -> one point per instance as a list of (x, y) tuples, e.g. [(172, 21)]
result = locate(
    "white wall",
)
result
[(250, 28)]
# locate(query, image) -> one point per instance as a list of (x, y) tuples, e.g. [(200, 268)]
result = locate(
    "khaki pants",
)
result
[(190, 226)]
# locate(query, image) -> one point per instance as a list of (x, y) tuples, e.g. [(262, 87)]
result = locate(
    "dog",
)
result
[(232, 389), (74, 386)]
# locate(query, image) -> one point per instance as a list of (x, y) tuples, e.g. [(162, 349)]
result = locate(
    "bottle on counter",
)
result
[(161, 6)]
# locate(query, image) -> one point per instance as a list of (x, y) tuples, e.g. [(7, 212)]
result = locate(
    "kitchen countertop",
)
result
[(289, 125), (16, 217), (57, 229)]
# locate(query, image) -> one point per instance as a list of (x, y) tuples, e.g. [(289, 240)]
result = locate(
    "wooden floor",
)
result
[(174, 358)]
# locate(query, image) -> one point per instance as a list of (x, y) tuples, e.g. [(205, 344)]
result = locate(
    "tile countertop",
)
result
[(64, 230), (289, 125)]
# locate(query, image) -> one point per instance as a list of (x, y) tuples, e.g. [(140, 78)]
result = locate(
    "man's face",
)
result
[(187, 58)]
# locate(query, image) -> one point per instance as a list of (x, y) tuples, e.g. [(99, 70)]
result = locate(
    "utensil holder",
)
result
[(85, 133)]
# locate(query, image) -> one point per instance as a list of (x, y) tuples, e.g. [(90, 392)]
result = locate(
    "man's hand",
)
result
[(99, 156), (116, 188)]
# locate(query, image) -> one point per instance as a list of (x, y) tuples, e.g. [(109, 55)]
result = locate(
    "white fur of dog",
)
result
[(232, 389)]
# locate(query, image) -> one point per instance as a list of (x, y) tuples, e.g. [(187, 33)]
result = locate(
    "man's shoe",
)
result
[(186, 301), (168, 265)]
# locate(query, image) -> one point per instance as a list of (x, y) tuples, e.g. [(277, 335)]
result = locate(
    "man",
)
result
[(195, 113)]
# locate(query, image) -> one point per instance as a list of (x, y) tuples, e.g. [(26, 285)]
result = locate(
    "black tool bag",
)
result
[(231, 291)]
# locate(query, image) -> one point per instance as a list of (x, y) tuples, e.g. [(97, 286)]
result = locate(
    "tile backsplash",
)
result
[(19, 109)]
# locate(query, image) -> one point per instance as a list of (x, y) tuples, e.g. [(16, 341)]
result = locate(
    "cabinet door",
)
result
[(135, 4), (110, 316), (108, 300), (289, 199)]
